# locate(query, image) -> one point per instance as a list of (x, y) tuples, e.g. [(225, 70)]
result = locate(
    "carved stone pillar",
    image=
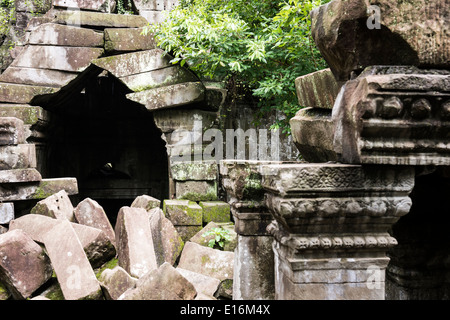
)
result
[(331, 230), (254, 259)]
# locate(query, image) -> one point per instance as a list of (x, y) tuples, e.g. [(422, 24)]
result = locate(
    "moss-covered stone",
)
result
[(217, 211), (4, 293), (194, 170), (183, 212), (196, 190)]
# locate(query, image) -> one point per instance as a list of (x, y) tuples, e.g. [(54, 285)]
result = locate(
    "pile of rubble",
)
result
[(59, 251)]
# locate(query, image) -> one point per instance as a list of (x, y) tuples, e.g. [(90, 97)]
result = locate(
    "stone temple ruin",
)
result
[(92, 109)]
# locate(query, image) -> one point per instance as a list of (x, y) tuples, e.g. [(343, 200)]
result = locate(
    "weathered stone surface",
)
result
[(217, 211), (37, 190), (127, 39), (166, 240), (115, 282), (203, 239), (202, 283), (164, 283), (95, 5), (251, 218), (187, 232), (24, 266), (28, 114), (317, 90), (134, 63), (156, 5), (70, 263), (36, 77), (183, 212), (194, 170), (6, 212), (33, 5), (199, 237), (96, 19), (57, 206), (62, 35), (393, 116), (196, 190), (96, 245), (313, 134), (11, 131), (134, 241), (146, 202), (153, 16), (158, 78), (409, 33), (211, 262), (88, 212), (19, 175), (20, 156), (170, 96), (57, 58), (18, 93)]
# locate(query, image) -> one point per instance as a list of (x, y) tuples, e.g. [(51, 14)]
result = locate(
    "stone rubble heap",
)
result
[(59, 251)]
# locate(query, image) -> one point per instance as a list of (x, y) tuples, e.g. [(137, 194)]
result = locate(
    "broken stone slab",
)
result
[(196, 190), (6, 212), (352, 35), (20, 175), (146, 202), (202, 237), (158, 78), (217, 211), (115, 282), (96, 19), (58, 206), (37, 190), (24, 266), (28, 114), (170, 96), (211, 262), (313, 134), (202, 283), (70, 263), (37, 77), (317, 90), (167, 243), (134, 241), (72, 59), (94, 5), (194, 170), (88, 212), (20, 156), (183, 212), (127, 39), (19, 93), (96, 245), (12, 131), (164, 283), (134, 63), (62, 35)]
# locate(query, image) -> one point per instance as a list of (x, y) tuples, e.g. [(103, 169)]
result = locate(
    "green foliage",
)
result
[(7, 18), (257, 47), (220, 238), (125, 7)]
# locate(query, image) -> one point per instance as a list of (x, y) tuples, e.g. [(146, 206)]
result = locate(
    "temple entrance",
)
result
[(110, 144)]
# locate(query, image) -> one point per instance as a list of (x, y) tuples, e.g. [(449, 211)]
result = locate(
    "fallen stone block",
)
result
[(19, 93), (73, 59), (183, 212), (58, 206), (89, 213), (217, 211), (127, 39), (20, 176), (115, 282), (134, 63), (166, 240), (24, 266), (146, 202), (211, 262), (194, 170), (71, 265), (202, 283), (97, 246), (37, 77), (170, 96), (94, 5), (208, 233), (12, 131), (196, 190), (20, 156), (134, 241), (164, 283), (62, 35), (6, 212)]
